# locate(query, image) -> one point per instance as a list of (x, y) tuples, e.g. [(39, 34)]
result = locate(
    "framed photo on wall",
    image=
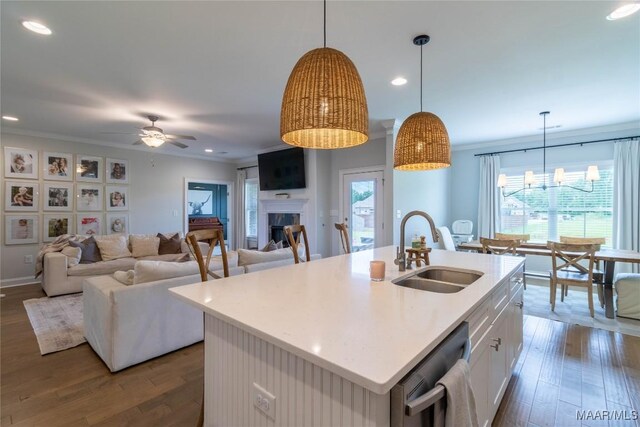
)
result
[(55, 226), (89, 224), (117, 171), (57, 166), (21, 196), (58, 197), (117, 223), (21, 229), (117, 198), (88, 197), (88, 168), (20, 163)]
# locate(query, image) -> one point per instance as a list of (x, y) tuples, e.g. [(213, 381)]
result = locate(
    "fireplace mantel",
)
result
[(267, 206)]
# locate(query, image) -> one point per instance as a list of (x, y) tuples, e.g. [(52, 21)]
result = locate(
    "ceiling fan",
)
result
[(154, 136)]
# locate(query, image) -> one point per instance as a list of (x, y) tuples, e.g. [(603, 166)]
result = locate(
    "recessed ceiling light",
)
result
[(37, 27), (399, 81), (624, 11), (208, 150), (10, 118)]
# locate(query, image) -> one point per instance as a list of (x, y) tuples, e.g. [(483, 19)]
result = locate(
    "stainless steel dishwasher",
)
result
[(416, 401)]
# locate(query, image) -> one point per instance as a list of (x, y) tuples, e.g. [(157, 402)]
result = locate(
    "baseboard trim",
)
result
[(18, 281)]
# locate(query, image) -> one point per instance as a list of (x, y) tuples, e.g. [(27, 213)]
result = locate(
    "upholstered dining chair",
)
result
[(344, 236), (567, 270), (293, 233), (598, 275), (505, 236), (212, 237)]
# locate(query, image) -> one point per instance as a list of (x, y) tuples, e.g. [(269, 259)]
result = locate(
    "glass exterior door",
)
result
[(362, 209)]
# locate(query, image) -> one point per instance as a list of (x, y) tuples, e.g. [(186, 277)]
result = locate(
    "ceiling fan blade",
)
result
[(178, 144), (189, 137), (138, 142), (117, 133)]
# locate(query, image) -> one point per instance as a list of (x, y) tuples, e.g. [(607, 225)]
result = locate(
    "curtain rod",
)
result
[(246, 167), (493, 153)]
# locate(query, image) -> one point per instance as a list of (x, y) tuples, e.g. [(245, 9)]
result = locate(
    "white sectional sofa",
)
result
[(129, 324)]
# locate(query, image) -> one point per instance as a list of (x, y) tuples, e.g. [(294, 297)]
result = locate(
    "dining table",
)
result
[(607, 256)]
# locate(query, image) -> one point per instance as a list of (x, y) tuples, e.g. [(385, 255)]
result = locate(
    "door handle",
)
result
[(499, 341), (520, 305)]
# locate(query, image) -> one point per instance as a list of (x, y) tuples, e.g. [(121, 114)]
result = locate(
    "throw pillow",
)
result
[(248, 257), (124, 277), (89, 248), (279, 245), (150, 271), (169, 245), (144, 245), (113, 247), (271, 246), (73, 255)]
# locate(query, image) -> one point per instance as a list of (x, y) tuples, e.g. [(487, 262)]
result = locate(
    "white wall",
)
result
[(156, 191)]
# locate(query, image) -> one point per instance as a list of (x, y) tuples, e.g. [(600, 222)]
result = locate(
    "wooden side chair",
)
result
[(502, 247), (598, 275), (212, 237), (293, 233), (344, 237), (521, 237), (567, 270)]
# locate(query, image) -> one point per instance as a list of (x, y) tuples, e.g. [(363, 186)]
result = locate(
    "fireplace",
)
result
[(276, 223)]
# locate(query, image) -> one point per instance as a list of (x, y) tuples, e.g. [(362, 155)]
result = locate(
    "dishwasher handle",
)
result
[(437, 393)]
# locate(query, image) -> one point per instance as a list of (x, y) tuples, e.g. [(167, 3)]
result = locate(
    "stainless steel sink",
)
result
[(442, 280), (450, 275)]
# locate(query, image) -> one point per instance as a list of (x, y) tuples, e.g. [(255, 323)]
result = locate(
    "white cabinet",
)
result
[(496, 348)]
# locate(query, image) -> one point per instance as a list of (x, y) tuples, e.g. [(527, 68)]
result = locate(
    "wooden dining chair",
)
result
[(293, 233), (598, 274), (499, 246), (212, 237), (567, 270), (344, 237), (505, 236)]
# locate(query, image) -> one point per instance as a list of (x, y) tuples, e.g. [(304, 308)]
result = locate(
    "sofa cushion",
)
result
[(151, 271), (166, 257), (90, 250), (169, 245), (248, 257), (102, 267), (143, 245), (73, 255), (113, 247)]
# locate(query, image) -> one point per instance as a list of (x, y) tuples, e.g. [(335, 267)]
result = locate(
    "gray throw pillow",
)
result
[(90, 250), (271, 246), (169, 246)]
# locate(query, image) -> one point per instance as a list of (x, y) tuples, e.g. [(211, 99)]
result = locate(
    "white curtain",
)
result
[(241, 226), (626, 199), (489, 197)]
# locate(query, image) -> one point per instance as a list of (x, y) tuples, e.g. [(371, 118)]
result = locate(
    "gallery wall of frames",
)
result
[(48, 194)]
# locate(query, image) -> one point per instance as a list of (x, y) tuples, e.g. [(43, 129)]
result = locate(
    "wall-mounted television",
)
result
[(282, 170)]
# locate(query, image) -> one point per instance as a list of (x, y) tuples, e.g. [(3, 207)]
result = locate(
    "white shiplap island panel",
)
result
[(306, 394)]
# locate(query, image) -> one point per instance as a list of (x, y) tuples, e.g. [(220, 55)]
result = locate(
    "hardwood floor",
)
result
[(74, 388), (566, 368), (563, 368)]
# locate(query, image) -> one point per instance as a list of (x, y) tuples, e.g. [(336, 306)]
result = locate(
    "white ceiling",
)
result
[(217, 70)]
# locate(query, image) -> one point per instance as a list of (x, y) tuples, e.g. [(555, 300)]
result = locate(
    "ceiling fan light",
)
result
[(593, 174), (422, 144), (558, 176), (324, 105), (152, 141)]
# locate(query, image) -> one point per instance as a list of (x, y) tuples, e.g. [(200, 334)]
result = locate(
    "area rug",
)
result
[(57, 322), (575, 310)]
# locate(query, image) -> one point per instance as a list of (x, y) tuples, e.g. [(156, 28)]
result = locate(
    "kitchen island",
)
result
[(329, 344)]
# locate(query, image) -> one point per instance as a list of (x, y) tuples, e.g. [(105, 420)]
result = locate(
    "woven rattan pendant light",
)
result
[(324, 105), (423, 141)]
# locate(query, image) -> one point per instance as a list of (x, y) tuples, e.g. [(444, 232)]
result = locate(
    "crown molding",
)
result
[(556, 136), (37, 134)]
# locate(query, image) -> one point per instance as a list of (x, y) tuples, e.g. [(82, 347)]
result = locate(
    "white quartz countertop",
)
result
[(330, 313)]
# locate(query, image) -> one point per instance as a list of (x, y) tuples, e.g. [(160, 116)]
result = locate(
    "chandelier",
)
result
[(558, 177)]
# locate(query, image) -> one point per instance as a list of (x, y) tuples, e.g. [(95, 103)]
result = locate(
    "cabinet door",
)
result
[(499, 373), (480, 366), (516, 325)]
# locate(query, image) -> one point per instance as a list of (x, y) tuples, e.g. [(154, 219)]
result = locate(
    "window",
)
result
[(251, 207), (562, 211)]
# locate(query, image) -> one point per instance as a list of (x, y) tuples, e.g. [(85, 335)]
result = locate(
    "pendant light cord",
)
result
[(544, 149), (325, 23), (421, 96)]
